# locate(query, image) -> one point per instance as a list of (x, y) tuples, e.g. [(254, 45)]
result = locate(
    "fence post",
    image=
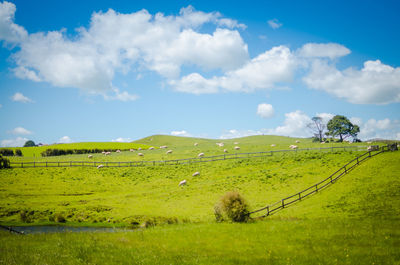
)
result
[(58, 164), (357, 160), (369, 153), (46, 163), (22, 164), (70, 163), (299, 196), (267, 210), (33, 163), (283, 203), (316, 187)]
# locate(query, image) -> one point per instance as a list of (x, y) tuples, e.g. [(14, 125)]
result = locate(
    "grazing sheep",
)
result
[(108, 153), (151, 148), (163, 147), (90, 156), (139, 148), (183, 182), (169, 152), (235, 143), (297, 141), (132, 150), (237, 148), (103, 152), (201, 154), (225, 151), (196, 174), (293, 146), (118, 151), (140, 154), (100, 166), (369, 142), (196, 144), (273, 145), (220, 144), (322, 142)]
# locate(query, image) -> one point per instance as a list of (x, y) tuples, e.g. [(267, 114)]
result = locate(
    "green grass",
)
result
[(354, 221)]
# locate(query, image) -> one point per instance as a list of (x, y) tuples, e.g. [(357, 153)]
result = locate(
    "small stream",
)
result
[(62, 229)]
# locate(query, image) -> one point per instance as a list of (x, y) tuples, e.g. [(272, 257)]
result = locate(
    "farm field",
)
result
[(354, 221)]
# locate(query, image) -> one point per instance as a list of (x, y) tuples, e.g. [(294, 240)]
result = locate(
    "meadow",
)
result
[(354, 221)]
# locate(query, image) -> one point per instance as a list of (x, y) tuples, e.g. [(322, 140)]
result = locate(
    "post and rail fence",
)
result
[(139, 163)]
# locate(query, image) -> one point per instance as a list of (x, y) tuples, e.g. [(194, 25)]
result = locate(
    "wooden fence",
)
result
[(286, 202), (30, 164)]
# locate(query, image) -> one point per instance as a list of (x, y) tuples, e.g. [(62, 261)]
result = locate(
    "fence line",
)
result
[(170, 162), (285, 202)]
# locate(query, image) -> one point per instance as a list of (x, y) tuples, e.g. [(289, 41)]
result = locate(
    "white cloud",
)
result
[(237, 134), (375, 83), (372, 128), (263, 72), (9, 31), (21, 131), (19, 97), (126, 43), (326, 117), (121, 96), (65, 140), (330, 50), (295, 125), (18, 142), (181, 133), (122, 140), (1, 106), (274, 23), (265, 110)]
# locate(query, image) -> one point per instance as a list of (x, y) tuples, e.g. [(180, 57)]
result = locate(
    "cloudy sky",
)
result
[(76, 71)]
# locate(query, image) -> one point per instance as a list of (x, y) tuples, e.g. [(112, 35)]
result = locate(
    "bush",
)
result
[(4, 162), (232, 206), (6, 152), (59, 218), (18, 152)]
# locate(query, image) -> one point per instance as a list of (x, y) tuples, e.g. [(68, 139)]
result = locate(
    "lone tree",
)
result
[(317, 127), (29, 143), (342, 127)]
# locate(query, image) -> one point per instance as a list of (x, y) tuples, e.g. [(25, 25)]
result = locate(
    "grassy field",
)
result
[(354, 221)]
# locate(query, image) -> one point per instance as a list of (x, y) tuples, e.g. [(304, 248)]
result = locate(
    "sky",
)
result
[(77, 71)]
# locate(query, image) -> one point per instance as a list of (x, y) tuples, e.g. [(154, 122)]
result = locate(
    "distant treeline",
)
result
[(61, 152), (10, 152)]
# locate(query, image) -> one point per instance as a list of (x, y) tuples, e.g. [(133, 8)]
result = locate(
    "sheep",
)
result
[(273, 145), (107, 153), (163, 146), (196, 144), (196, 174), (297, 141), (293, 146), (118, 151), (103, 152), (139, 148), (140, 154), (322, 142), (151, 148), (183, 182), (132, 150), (369, 142), (225, 151), (90, 156), (200, 155), (235, 143), (237, 148), (220, 144), (100, 166), (169, 152)]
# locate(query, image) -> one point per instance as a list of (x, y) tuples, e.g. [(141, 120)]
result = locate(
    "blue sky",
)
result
[(76, 71)]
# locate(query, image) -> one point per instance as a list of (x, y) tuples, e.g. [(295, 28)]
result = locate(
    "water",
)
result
[(63, 229)]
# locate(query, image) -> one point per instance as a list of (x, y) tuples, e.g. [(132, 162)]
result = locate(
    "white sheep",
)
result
[(196, 174), (151, 148), (140, 154), (196, 144), (225, 151), (103, 152), (369, 142), (108, 153), (322, 142), (139, 148), (235, 143), (220, 144), (118, 151), (293, 146), (237, 148), (100, 166), (183, 182), (163, 146), (200, 155), (169, 152), (90, 156), (132, 150), (273, 145), (297, 141)]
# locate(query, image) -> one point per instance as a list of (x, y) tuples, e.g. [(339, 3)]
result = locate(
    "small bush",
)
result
[(59, 218), (18, 152), (26, 216), (4, 162), (232, 206)]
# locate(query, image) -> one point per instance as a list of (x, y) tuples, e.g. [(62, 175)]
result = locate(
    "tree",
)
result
[(342, 127), (29, 143), (317, 127)]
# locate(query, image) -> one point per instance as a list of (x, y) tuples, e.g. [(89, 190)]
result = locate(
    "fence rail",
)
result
[(31, 164), (285, 202)]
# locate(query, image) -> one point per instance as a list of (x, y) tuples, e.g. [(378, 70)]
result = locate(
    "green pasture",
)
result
[(353, 221)]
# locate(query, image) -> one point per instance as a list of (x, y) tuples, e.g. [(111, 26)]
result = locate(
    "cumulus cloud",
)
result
[(122, 140), (115, 42), (21, 131), (19, 97), (262, 72), (17, 142), (326, 117), (274, 23), (294, 125), (330, 50), (375, 83), (372, 128), (233, 133), (181, 133), (265, 110), (65, 140)]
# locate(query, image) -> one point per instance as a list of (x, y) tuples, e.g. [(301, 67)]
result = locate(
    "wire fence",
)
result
[(34, 164), (286, 202)]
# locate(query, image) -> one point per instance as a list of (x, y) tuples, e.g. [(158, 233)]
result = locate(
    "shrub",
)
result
[(6, 152), (4, 162), (18, 152), (232, 206), (26, 216), (59, 218)]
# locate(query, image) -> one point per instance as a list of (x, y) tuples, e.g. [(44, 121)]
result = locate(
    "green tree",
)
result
[(342, 127), (29, 143)]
